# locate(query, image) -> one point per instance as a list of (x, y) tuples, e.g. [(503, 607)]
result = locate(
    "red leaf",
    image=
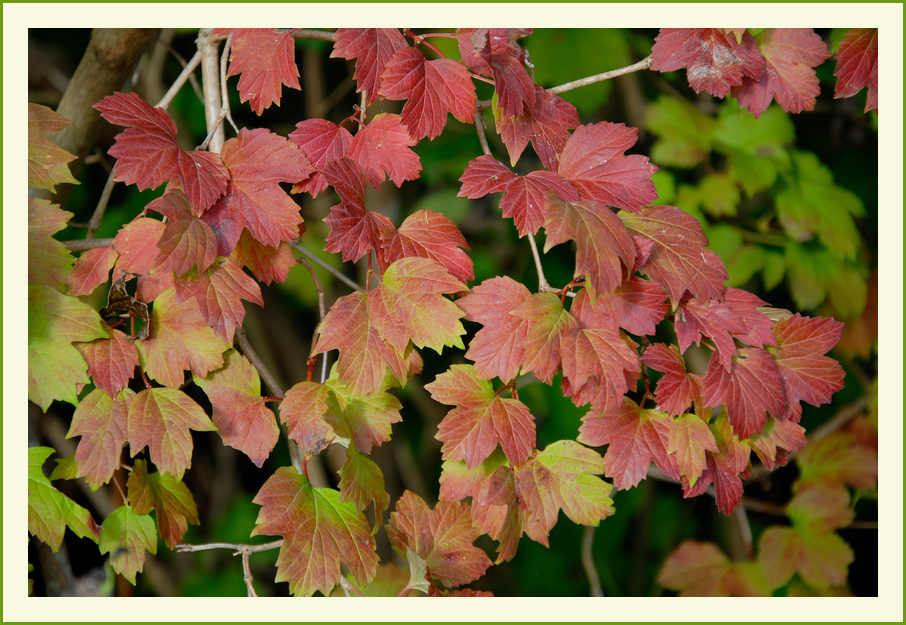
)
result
[(547, 126), (442, 537), (239, 413), (111, 362), (258, 161), (593, 161), (807, 374), (162, 418), (373, 47), (302, 410), (218, 294), (857, 66), (426, 234), (186, 241), (498, 349), (100, 421), (749, 390), (776, 440), (266, 61), (169, 498), (596, 362), (322, 141), (637, 305), (365, 420), (605, 252), (269, 264), (484, 175), (91, 270), (320, 533), (689, 439), (136, 244), (634, 437), (361, 482), (180, 339), (713, 60), (148, 155), (727, 484), (758, 325), (549, 323), (476, 43), (364, 355), (678, 257), (433, 89), (481, 419), (677, 390), (384, 145), (715, 320), (354, 230), (409, 305), (790, 54), (523, 196)]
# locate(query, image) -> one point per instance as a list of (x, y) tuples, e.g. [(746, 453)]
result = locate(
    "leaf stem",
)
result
[(543, 286), (588, 562)]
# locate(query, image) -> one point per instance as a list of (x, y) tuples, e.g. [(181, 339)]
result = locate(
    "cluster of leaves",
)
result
[(643, 272)]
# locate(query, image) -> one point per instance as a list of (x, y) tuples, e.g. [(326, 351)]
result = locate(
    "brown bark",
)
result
[(109, 60)]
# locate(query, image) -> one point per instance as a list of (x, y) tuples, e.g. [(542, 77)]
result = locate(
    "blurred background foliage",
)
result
[(790, 202)]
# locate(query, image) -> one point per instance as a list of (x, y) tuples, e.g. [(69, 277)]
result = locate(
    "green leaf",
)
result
[(126, 537), (320, 533), (47, 162), (49, 262), (50, 512), (684, 134), (361, 481), (55, 366)]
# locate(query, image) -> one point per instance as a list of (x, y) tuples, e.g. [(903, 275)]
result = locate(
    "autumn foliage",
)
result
[(615, 339)]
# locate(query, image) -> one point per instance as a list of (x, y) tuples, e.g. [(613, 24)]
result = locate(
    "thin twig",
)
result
[(83, 245), (590, 80), (95, 222), (321, 35), (543, 285), (321, 314), (224, 98), (180, 81), (354, 285), (210, 78), (247, 573), (745, 531), (480, 129), (186, 548), (348, 587), (588, 562)]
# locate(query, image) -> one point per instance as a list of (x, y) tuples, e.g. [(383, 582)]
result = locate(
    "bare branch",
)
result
[(590, 80), (210, 79), (348, 587), (83, 245), (95, 221), (543, 285), (321, 35), (185, 75), (481, 130), (238, 548)]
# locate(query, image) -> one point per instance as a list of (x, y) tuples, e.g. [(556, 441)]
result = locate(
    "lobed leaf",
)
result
[(320, 533), (126, 537), (50, 512), (169, 497), (857, 66), (101, 422), (239, 412), (162, 418), (373, 47), (49, 262), (218, 294), (480, 420), (265, 61), (426, 234), (47, 162), (383, 146)]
